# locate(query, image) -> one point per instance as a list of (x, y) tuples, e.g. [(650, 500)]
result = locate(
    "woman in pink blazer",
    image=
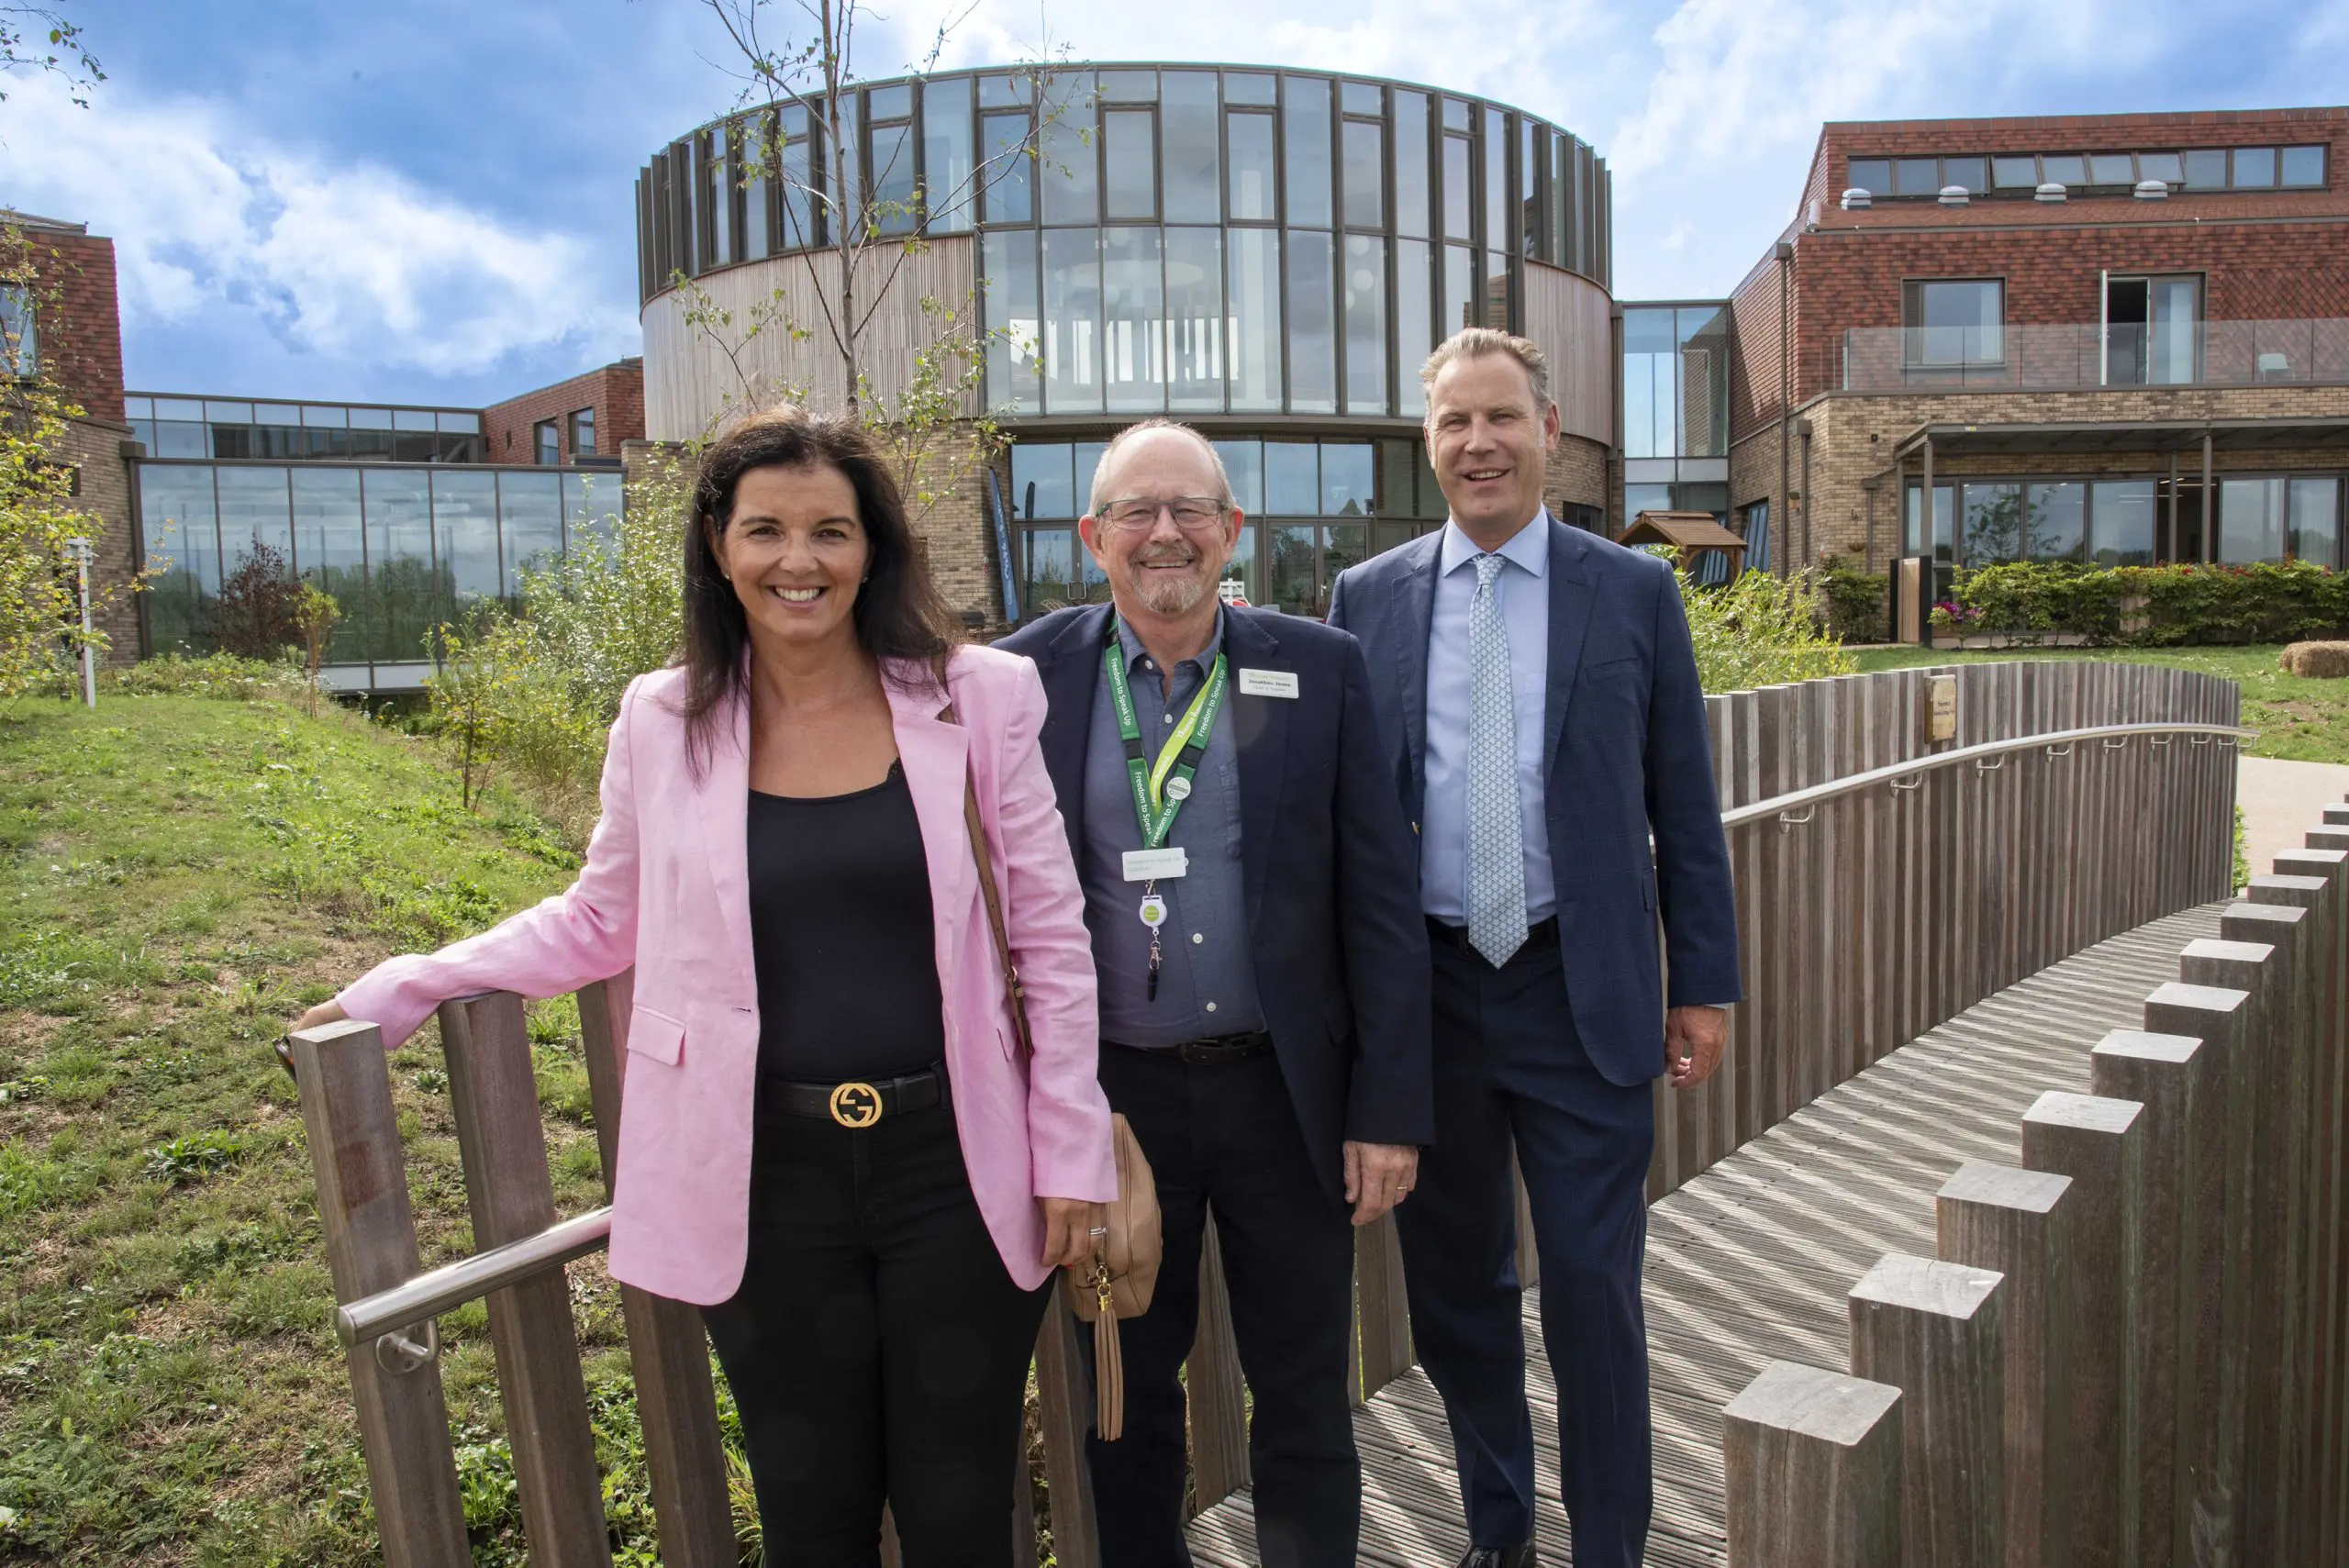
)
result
[(832, 1140)]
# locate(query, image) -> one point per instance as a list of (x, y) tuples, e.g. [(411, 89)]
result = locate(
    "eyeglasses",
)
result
[(1192, 513)]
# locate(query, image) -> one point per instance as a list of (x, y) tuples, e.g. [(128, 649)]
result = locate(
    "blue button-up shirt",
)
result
[(1524, 591), (1206, 985)]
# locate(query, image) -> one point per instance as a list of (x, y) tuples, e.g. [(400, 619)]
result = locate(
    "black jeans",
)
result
[(1226, 1138), (878, 1349)]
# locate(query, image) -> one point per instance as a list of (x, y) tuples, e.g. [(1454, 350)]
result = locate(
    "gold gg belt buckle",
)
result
[(856, 1105)]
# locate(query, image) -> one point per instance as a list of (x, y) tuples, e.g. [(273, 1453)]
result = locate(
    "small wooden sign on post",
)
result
[(1940, 708)]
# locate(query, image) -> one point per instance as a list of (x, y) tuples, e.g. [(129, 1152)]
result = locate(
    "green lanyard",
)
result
[(1160, 788)]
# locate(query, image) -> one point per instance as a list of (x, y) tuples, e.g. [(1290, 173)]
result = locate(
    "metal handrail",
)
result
[(428, 1296), (1834, 789)]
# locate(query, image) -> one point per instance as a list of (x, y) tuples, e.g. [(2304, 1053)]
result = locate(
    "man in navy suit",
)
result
[(1542, 717), (1250, 888)]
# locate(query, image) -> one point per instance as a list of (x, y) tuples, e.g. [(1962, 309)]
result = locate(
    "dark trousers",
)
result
[(1225, 1139), (1509, 1068), (878, 1349)]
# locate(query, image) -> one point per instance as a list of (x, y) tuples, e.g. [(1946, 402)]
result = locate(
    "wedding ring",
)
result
[(1099, 1230)]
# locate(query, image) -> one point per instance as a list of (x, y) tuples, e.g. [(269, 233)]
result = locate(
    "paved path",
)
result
[(1751, 1260), (2281, 801)]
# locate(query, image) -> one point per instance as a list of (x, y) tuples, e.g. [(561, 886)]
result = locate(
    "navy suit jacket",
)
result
[(1628, 757), (1329, 871)]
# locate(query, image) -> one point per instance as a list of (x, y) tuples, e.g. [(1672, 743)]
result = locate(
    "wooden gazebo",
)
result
[(1691, 534)]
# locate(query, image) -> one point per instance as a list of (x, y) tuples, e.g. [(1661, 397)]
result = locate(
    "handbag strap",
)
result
[(992, 896)]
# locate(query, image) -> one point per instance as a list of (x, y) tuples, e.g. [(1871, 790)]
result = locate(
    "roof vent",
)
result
[(2153, 190), (1953, 196), (2051, 192), (1857, 199)]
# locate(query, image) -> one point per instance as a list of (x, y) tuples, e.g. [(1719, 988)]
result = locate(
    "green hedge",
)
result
[(1857, 602), (2148, 606)]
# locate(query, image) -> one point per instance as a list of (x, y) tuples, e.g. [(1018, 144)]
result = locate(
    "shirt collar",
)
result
[(1135, 652), (1529, 547)]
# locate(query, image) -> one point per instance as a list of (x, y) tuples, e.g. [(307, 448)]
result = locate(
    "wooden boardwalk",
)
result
[(1752, 1260)]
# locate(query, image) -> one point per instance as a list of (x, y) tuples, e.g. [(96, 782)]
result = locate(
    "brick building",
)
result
[(2113, 339), (583, 420)]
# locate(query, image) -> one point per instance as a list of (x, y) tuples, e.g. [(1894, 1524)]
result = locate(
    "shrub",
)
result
[(209, 675), (257, 613), (1760, 631), (1857, 602), (2149, 606)]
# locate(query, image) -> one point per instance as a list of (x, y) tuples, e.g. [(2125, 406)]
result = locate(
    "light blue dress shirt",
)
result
[(1524, 590)]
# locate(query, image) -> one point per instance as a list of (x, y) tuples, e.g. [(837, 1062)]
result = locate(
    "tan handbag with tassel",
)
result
[(1117, 1280)]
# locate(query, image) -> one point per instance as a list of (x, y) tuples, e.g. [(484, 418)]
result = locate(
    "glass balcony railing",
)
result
[(2088, 356)]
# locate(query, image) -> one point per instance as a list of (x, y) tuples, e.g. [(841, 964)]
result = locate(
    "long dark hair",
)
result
[(899, 614)]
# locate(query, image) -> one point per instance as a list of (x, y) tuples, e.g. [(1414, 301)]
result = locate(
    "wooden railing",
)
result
[(1876, 900)]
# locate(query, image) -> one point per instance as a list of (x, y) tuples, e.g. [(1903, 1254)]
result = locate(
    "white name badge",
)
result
[(1147, 865), (1268, 682)]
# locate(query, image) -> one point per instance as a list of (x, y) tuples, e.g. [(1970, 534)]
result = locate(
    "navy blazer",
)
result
[(1627, 758), (1330, 869)]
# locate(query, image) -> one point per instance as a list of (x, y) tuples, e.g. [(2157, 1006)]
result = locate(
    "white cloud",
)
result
[(352, 262)]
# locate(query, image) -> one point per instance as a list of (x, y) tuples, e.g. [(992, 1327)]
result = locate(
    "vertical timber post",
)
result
[(1933, 1330), (1814, 1464)]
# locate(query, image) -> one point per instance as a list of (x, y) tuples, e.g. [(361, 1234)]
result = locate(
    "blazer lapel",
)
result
[(725, 816), (1260, 725), (1071, 671), (936, 758), (1411, 619), (1571, 598)]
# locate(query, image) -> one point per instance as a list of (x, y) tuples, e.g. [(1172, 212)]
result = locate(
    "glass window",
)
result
[(1414, 306), (187, 409), (1410, 163), (2064, 169), (2166, 167), (1431, 502), (1292, 479), (233, 440), (1129, 86), (1954, 322), (256, 512), (408, 592), (751, 175), (1966, 172), (1250, 166), (2255, 169), (1004, 92), (2206, 169), (1041, 481), (1917, 177), (1010, 176), (895, 103), (1130, 164), (1014, 357), (371, 433), (796, 167), (1366, 174), (1871, 174), (2056, 515), (1529, 192), (591, 505), (1067, 167), (1049, 570), (1312, 325), (1244, 464), (1134, 320), (1342, 545), (451, 422), (1085, 457), (465, 532), (546, 447), (1638, 498), (893, 178), (1307, 149), (2316, 519), (1394, 498), (947, 165), (1495, 152), (1704, 383), (183, 529), (582, 433), (1289, 578), (228, 413), (402, 419), (1365, 306), (1456, 189), (529, 509), (1072, 320), (1496, 290), (1458, 290), (2251, 518), (182, 438), (1253, 313), (1362, 99), (1194, 318), (2113, 169), (2122, 522), (1456, 114), (1188, 147), (1348, 477), (2015, 174), (2303, 166), (1994, 523), (1245, 87), (327, 553), (1651, 383), (717, 202), (1240, 583)]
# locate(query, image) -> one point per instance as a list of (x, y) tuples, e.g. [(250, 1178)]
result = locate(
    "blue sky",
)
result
[(429, 201)]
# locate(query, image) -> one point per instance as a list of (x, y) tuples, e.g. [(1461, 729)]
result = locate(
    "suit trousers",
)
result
[(878, 1347), (1225, 1139), (1509, 1069)]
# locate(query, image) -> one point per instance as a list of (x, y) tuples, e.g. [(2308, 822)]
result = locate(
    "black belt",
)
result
[(1212, 1052), (1545, 930), (859, 1104)]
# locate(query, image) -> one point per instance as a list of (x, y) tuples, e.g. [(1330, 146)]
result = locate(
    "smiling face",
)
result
[(1161, 568), (1488, 445), (794, 551)]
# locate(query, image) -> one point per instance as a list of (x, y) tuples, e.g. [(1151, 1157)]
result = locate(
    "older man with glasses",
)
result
[(1250, 886)]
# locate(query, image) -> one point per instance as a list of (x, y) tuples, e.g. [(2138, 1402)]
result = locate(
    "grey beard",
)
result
[(1171, 598)]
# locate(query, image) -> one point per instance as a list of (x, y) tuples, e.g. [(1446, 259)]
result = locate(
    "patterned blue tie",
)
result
[(1496, 830)]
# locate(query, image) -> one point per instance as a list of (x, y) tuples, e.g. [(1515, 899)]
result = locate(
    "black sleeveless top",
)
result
[(842, 936)]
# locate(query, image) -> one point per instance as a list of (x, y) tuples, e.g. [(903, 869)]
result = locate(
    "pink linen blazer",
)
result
[(666, 888)]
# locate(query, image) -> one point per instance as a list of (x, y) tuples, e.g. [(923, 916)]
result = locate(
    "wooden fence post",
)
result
[(369, 1231), (493, 1094), (2018, 1223), (1933, 1330), (1814, 1471), (677, 1400), (1218, 1400), (1065, 1391), (1382, 1311), (2099, 1144)]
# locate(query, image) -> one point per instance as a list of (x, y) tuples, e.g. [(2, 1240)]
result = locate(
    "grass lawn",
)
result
[(178, 876), (2298, 719)]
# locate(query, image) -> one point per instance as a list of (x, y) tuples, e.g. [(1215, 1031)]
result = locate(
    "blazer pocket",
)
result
[(1613, 669), (656, 1035)]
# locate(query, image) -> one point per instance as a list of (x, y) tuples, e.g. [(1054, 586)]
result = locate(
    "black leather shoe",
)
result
[(1522, 1555)]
